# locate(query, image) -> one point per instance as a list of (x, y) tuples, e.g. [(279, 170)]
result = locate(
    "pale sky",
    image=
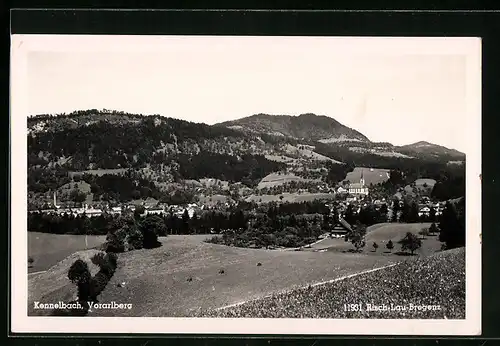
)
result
[(389, 91)]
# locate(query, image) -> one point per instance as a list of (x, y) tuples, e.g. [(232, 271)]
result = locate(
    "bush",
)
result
[(115, 242), (98, 259), (79, 274), (151, 227), (150, 239), (97, 284), (112, 259), (30, 262), (135, 240), (107, 263), (90, 287), (215, 240)]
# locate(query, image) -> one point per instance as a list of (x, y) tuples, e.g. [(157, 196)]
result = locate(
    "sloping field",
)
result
[(81, 186), (214, 199), (275, 179), (371, 175), (396, 231), (156, 281), (308, 153), (48, 249), (289, 197), (381, 234), (389, 154), (280, 158), (58, 283), (429, 288)]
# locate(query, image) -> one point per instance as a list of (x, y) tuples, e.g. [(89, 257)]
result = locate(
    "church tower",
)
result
[(362, 180), (55, 201)]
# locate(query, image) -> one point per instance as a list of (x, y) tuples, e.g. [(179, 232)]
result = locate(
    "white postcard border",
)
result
[(21, 45)]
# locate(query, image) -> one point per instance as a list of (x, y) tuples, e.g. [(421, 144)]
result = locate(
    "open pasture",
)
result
[(381, 234), (275, 179), (371, 175), (400, 287), (48, 249), (156, 280), (290, 197)]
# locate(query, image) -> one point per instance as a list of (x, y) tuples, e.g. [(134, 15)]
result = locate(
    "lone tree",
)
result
[(410, 242), (357, 236), (375, 246), (390, 245), (151, 227), (433, 229)]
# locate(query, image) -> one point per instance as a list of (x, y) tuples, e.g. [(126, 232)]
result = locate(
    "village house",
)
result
[(155, 211), (116, 210), (424, 211)]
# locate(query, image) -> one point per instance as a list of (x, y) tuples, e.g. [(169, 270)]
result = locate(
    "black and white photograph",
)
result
[(244, 184)]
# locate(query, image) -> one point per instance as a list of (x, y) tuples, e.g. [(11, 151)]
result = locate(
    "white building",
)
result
[(424, 211), (342, 190), (359, 189), (155, 211), (116, 210)]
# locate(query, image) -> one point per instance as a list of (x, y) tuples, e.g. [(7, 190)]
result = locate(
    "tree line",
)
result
[(248, 224)]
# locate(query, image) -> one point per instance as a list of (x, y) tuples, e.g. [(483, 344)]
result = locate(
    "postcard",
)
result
[(245, 185)]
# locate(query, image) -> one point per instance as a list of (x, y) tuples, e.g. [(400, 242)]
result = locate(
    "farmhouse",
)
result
[(424, 211), (358, 189), (340, 228)]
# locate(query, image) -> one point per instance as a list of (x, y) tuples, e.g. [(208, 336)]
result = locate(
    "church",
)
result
[(359, 189)]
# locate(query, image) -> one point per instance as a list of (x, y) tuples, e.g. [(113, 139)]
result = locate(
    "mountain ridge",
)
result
[(308, 123), (124, 156), (328, 130), (303, 126)]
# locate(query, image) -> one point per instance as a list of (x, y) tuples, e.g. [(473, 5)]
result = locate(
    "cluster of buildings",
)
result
[(95, 211), (424, 209), (355, 190)]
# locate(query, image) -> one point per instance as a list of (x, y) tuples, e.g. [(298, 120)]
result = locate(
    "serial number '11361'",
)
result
[(353, 307)]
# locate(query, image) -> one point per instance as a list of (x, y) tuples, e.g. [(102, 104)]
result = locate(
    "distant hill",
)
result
[(327, 133), (426, 148), (305, 126)]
